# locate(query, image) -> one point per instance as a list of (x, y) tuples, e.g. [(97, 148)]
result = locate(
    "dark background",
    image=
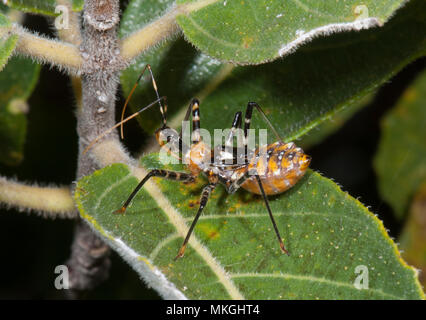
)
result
[(33, 247)]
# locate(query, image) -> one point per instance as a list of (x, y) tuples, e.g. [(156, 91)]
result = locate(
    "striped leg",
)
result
[(249, 111), (194, 102), (196, 124), (265, 198), (203, 201), (187, 114), (248, 174), (236, 124), (178, 176), (175, 141), (234, 187), (247, 121)]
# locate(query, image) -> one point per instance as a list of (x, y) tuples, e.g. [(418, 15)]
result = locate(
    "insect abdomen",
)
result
[(279, 169)]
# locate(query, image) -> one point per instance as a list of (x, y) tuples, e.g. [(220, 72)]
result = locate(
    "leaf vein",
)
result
[(109, 189), (312, 279)]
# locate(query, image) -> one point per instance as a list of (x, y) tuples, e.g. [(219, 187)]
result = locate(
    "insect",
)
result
[(264, 171)]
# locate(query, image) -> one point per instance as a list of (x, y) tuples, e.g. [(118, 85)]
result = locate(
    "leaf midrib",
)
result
[(178, 222)]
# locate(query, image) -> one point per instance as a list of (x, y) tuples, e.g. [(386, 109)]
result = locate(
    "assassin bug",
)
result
[(282, 165)]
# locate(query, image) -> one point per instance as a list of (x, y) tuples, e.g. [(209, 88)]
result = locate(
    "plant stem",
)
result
[(52, 202), (44, 50), (89, 261)]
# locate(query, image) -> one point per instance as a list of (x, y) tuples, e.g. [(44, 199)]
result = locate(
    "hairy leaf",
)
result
[(234, 252), (7, 42), (301, 91), (250, 32), (298, 92), (401, 158), (35, 6), (17, 81), (179, 70)]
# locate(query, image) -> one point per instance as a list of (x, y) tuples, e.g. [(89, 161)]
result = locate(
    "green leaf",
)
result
[(256, 31), (299, 92), (400, 162), (7, 41), (17, 81), (6, 48), (332, 125), (4, 21), (413, 236), (179, 70), (46, 7), (322, 78), (77, 5), (233, 252)]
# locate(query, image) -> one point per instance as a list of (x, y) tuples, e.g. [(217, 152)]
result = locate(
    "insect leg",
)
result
[(163, 110), (236, 123), (265, 198), (203, 201), (188, 113), (236, 184), (195, 106), (247, 121), (176, 140), (178, 176)]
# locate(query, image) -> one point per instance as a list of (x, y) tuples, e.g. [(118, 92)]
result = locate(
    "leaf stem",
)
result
[(52, 202), (149, 35), (157, 31), (44, 50)]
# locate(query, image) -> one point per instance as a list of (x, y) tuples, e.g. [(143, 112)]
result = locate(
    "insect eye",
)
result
[(165, 135)]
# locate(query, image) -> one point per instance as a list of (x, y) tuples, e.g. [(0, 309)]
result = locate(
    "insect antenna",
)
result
[(163, 110), (103, 134)]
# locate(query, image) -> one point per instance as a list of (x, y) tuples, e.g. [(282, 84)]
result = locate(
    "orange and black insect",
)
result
[(265, 174)]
